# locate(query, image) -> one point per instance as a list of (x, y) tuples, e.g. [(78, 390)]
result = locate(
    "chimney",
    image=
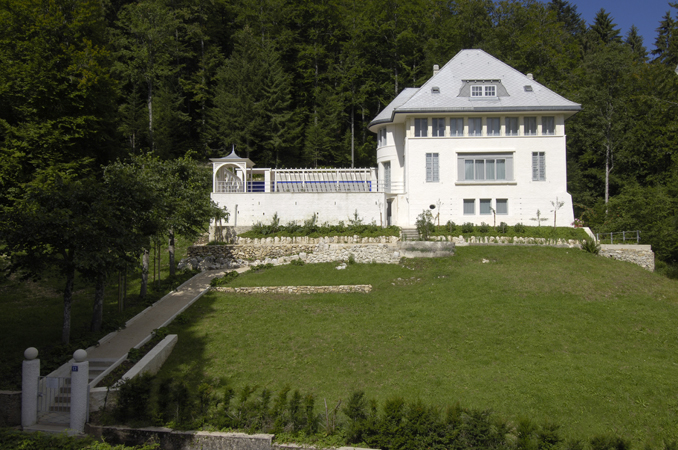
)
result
[(436, 69), (530, 76)]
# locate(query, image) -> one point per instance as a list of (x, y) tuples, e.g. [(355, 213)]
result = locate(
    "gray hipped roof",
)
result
[(480, 67)]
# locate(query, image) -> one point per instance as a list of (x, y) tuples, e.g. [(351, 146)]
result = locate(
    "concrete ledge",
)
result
[(426, 249), (341, 289), (151, 363), (10, 408)]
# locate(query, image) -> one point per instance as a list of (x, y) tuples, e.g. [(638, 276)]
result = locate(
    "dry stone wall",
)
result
[(341, 289), (641, 255)]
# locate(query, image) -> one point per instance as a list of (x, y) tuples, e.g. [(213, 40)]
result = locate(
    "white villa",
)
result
[(478, 142)]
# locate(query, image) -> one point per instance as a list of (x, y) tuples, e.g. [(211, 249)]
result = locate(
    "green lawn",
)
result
[(32, 314), (543, 333)]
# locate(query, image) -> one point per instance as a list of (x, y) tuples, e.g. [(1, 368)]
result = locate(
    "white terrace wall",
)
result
[(247, 209)]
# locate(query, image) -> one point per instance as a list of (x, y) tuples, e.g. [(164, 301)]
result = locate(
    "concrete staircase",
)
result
[(409, 234)]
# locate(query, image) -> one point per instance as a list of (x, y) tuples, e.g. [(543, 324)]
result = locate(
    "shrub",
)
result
[(351, 259), (223, 281), (297, 262), (467, 227), (133, 399), (502, 228), (451, 227), (519, 228), (483, 228), (590, 246), (424, 224)]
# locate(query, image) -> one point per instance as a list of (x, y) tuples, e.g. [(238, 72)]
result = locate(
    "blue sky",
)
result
[(644, 14)]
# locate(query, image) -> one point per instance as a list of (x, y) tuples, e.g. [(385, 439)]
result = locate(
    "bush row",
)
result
[(14, 440), (312, 228), (397, 424)]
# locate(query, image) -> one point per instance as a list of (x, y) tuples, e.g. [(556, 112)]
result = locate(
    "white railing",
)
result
[(394, 187)]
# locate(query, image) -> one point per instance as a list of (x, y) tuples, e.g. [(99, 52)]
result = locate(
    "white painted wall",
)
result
[(297, 207)]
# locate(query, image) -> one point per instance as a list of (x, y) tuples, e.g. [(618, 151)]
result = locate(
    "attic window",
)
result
[(435, 90), (488, 90), (528, 88)]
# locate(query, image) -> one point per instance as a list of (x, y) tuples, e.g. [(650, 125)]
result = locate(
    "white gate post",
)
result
[(79, 393), (30, 376)]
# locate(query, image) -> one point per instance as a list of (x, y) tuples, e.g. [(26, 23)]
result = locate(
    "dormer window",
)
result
[(487, 90)]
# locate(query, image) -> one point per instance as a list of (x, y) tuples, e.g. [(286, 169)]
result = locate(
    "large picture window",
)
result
[(548, 125), (538, 166), (493, 126), (475, 126), (511, 126), (420, 127), (530, 126), (485, 167), (438, 127), (432, 167), (457, 127)]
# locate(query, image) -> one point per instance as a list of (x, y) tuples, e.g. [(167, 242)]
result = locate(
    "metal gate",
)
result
[(54, 395)]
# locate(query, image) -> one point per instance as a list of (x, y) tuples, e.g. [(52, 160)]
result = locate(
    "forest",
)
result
[(98, 95)]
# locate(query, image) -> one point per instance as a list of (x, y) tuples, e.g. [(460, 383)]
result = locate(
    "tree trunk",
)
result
[(172, 270), (98, 312), (68, 297), (144, 274)]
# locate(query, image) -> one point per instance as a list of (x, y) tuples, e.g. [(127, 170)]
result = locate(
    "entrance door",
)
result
[(389, 212)]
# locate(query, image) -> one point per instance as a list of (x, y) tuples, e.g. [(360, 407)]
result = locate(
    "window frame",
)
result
[(469, 201), (507, 128), (552, 131), (538, 166), (432, 167), (483, 91), (454, 130), (474, 131), (492, 166), (487, 202), (493, 121), (505, 203), (532, 121)]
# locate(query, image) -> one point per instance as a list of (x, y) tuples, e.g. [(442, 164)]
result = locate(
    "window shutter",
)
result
[(509, 169), (542, 166), (535, 166)]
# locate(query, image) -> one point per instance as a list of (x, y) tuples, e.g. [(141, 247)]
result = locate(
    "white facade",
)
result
[(478, 142)]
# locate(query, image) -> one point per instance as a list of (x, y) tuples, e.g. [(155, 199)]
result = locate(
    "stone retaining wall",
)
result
[(342, 289), (641, 255), (190, 440)]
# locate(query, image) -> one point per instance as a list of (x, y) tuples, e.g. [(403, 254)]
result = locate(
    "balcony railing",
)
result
[(227, 187)]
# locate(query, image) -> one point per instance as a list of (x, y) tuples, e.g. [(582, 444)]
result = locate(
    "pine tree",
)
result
[(635, 41), (666, 43), (567, 14), (604, 29)]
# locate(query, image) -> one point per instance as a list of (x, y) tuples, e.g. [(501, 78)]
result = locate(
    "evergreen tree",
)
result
[(567, 14), (635, 41), (604, 29), (666, 43)]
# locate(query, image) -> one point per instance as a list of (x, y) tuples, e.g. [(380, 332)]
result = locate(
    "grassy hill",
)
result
[(549, 334)]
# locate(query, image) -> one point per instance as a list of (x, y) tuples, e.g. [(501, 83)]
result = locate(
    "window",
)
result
[(485, 206), (469, 206), (438, 127), (502, 206), (548, 125), (485, 167), (475, 126), (511, 126), (484, 91), (538, 166), (420, 127), (387, 176), (432, 167), (493, 126), (382, 137), (457, 127), (530, 126)]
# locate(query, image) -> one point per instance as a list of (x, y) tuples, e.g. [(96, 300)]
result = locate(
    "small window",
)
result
[(485, 206), (432, 168), (475, 126), (457, 127), (387, 176), (530, 126), (548, 125), (469, 206), (493, 126), (438, 127), (538, 166), (420, 127), (528, 88), (435, 90), (502, 206), (476, 91), (490, 91), (511, 126)]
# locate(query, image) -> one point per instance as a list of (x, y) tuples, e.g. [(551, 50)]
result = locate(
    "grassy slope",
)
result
[(545, 333), (32, 314)]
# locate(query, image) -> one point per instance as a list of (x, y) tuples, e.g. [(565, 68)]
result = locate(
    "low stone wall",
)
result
[(10, 408), (641, 255), (190, 440), (342, 289)]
